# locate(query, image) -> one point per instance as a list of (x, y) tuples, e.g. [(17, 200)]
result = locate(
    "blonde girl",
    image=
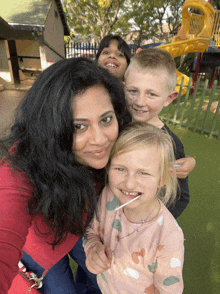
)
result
[(135, 245)]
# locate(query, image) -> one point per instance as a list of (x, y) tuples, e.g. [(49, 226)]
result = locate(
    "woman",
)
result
[(114, 55), (49, 181)]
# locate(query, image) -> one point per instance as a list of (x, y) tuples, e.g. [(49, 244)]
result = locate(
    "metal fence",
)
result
[(88, 50), (199, 112)]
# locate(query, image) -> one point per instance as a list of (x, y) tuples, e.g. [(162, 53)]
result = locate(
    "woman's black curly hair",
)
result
[(64, 192)]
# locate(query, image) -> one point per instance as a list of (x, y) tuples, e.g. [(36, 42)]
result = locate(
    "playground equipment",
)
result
[(208, 61), (194, 34), (191, 38)]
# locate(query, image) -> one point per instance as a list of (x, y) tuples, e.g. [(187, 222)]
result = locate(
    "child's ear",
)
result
[(161, 184), (123, 85), (163, 180), (171, 97), (172, 171)]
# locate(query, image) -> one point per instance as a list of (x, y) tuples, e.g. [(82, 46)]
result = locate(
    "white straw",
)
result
[(127, 203)]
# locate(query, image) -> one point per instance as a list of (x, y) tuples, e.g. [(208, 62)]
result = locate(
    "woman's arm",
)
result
[(14, 223)]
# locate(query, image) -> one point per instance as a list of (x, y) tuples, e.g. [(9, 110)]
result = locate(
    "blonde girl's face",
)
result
[(136, 173), (112, 59)]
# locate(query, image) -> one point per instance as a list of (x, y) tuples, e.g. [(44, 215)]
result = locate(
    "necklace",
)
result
[(118, 238)]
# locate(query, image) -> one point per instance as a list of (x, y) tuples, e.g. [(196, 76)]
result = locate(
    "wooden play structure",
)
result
[(31, 39)]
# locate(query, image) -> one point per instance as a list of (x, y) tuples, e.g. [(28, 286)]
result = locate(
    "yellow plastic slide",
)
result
[(194, 34)]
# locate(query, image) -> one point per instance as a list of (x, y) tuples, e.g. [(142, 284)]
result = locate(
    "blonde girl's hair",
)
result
[(138, 135)]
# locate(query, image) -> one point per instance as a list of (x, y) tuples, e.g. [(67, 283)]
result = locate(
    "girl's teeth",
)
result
[(112, 65), (132, 194)]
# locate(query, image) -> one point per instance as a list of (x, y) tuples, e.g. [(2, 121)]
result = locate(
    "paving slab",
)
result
[(9, 101)]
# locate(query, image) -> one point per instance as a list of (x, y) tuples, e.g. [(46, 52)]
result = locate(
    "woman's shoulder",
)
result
[(11, 177)]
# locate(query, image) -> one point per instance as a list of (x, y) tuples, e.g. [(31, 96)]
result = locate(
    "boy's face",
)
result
[(147, 93)]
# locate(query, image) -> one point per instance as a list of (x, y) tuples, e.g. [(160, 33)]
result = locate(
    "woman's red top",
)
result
[(20, 231)]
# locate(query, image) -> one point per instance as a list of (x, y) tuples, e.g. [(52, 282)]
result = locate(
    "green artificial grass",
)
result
[(201, 219), (73, 265)]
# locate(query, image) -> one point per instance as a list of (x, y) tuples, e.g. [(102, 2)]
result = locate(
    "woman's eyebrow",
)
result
[(101, 116), (81, 119), (106, 113)]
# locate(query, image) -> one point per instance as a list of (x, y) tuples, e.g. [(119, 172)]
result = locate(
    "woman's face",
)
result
[(96, 127), (112, 59)]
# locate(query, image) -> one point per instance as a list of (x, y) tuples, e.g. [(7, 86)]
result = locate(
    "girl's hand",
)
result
[(98, 258), (187, 164)]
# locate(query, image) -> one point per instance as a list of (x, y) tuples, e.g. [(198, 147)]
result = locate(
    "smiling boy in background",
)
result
[(149, 84)]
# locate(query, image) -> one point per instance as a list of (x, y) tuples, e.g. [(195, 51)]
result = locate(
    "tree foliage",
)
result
[(216, 4), (92, 17), (142, 22), (153, 19), (141, 19)]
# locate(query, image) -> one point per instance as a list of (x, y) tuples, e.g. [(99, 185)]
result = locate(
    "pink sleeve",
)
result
[(168, 270), (14, 223), (93, 234)]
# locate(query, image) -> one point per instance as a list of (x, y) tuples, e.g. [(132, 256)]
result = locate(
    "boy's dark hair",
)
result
[(43, 132), (122, 46)]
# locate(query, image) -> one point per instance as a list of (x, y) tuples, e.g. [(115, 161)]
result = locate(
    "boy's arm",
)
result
[(169, 264), (182, 198), (187, 164)]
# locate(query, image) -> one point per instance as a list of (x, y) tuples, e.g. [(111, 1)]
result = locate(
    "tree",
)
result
[(169, 12), (140, 15), (216, 4), (141, 19), (93, 17), (149, 18)]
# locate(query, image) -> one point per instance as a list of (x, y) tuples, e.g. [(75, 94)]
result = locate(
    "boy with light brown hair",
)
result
[(150, 81)]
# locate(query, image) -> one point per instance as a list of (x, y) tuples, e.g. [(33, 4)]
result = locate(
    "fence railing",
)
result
[(199, 112), (88, 50)]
